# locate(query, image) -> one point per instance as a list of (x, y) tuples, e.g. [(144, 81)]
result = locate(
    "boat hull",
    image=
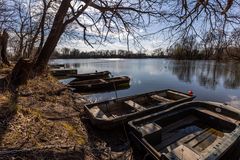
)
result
[(57, 66), (96, 85), (63, 73)]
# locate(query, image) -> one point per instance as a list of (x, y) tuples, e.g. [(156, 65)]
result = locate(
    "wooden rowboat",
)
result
[(63, 73), (108, 114), (100, 84), (104, 90), (189, 131), (88, 76), (57, 66)]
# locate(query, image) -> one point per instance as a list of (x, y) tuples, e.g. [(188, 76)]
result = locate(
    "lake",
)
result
[(209, 80)]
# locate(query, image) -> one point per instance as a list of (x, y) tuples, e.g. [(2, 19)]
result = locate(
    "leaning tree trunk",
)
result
[(47, 50), (53, 38)]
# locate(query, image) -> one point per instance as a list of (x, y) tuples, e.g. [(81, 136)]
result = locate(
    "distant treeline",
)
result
[(67, 53)]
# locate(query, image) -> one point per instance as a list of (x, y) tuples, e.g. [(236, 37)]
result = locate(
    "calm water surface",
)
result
[(208, 80)]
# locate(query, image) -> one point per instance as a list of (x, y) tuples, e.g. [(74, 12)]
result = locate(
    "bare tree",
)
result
[(185, 48), (201, 15), (5, 14), (40, 28), (104, 19), (234, 41), (28, 24), (208, 45), (20, 25)]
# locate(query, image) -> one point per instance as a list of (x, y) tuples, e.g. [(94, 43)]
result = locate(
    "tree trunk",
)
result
[(4, 48), (53, 38), (20, 73)]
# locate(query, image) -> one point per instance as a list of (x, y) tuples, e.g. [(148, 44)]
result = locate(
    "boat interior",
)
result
[(192, 134), (113, 109)]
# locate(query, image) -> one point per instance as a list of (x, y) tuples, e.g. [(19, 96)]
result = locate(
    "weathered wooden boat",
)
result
[(108, 114), (103, 90), (57, 66), (88, 76), (189, 131), (62, 73), (100, 84)]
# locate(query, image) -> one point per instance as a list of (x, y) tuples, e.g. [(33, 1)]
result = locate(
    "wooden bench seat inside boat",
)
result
[(161, 99), (174, 96), (219, 116), (96, 111), (183, 151), (135, 105), (102, 80), (149, 128)]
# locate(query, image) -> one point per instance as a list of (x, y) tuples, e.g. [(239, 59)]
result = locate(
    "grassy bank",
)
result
[(45, 120)]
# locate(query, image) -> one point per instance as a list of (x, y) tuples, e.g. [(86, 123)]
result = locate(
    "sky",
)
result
[(147, 45)]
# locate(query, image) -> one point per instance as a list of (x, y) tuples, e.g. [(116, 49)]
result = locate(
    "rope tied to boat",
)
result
[(114, 86)]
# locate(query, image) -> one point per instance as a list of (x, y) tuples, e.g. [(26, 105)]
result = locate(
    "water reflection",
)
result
[(232, 76), (208, 73), (184, 70), (234, 101)]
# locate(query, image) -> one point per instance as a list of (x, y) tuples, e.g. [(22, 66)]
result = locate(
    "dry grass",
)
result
[(40, 122), (36, 119), (4, 69)]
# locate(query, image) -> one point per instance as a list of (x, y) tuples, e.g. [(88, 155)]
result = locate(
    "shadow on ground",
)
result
[(8, 110), (44, 154), (110, 144)]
